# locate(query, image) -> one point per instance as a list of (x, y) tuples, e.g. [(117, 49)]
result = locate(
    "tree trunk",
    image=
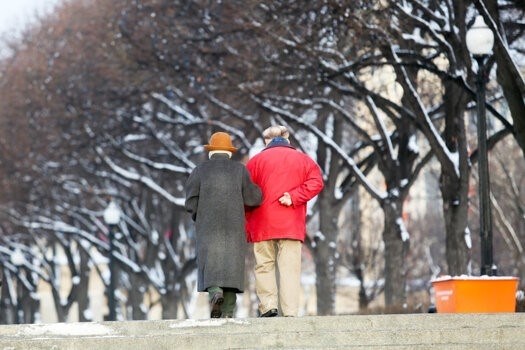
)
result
[(357, 258), (454, 190), (59, 308), (7, 316), (84, 312), (30, 302), (395, 252), (170, 305), (29, 307), (136, 298), (455, 213), (324, 249)]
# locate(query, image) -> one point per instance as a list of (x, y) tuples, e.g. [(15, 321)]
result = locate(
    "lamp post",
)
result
[(480, 40), (112, 218)]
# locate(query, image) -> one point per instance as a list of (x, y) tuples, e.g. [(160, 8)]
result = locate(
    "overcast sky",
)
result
[(14, 14)]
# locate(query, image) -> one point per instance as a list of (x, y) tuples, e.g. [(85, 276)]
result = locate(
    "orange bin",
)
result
[(466, 294)]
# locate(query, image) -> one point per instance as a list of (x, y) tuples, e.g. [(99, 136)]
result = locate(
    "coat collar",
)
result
[(279, 142)]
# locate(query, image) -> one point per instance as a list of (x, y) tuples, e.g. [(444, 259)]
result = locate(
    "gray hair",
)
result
[(276, 131), (211, 153)]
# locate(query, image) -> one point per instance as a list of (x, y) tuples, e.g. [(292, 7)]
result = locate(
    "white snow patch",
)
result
[(338, 194), (307, 280), (84, 328), (155, 237), (474, 278), (257, 147), (320, 236), (144, 308), (468, 238), (394, 192), (206, 323), (350, 281), (405, 236), (18, 258), (133, 137), (88, 314)]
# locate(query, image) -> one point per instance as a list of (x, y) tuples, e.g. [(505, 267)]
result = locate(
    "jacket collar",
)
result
[(279, 142)]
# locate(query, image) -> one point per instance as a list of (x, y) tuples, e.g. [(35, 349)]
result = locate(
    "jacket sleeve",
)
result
[(311, 187), (251, 193), (192, 194)]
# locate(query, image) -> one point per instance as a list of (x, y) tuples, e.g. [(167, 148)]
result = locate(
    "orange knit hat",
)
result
[(220, 141)]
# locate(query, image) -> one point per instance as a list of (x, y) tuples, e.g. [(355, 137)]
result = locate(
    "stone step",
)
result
[(407, 331)]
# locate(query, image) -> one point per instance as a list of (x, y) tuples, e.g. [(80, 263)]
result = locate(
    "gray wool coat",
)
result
[(216, 193)]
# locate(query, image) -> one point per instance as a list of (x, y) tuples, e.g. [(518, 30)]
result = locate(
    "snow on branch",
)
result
[(22, 263), (174, 107), (381, 127), (59, 226), (113, 177), (205, 121), (156, 165), (330, 103), (434, 137), (433, 30), (329, 142), (148, 182)]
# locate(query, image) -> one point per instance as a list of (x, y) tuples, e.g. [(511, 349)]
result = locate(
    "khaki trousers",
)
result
[(278, 275)]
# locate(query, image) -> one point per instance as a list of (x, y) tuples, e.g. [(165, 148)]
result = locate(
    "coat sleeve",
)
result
[(192, 194), (311, 187), (251, 193)]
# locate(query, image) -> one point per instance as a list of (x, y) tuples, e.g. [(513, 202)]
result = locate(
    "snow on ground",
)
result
[(67, 329), (207, 323)]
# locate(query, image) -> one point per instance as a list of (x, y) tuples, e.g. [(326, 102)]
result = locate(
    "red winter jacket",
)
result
[(277, 169)]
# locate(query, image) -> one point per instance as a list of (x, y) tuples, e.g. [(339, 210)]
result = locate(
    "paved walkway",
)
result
[(414, 331)]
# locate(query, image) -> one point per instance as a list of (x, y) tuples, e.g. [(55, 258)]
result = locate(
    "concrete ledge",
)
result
[(426, 331)]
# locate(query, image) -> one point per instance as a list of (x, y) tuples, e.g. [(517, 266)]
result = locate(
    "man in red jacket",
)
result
[(288, 179)]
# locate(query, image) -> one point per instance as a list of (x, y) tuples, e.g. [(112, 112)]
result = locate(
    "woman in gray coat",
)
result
[(217, 192)]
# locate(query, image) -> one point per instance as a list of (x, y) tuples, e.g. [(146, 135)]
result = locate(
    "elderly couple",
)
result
[(263, 203)]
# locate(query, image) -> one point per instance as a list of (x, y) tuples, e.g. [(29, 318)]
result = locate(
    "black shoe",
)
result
[(215, 304), (270, 313)]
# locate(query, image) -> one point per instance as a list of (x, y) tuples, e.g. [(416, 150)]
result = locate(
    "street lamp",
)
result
[(112, 218), (480, 40)]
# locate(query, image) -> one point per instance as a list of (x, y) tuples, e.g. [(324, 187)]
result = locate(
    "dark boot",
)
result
[(216, 298), (228, 307), (270, 313)]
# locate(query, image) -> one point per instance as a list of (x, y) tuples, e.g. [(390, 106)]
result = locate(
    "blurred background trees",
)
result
[(112, 100)]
